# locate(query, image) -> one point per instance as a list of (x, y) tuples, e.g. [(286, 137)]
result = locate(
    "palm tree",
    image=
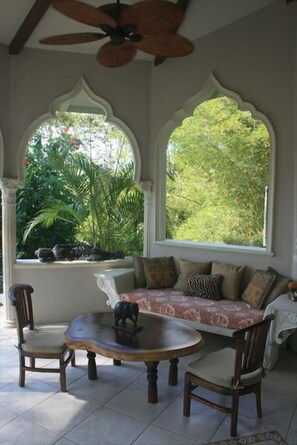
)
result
[(106, 206)]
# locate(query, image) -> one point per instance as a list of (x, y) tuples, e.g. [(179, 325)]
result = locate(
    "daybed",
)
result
[(207, 295)]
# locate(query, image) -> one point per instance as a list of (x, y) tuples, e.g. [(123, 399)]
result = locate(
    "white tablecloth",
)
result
[(284, 323)]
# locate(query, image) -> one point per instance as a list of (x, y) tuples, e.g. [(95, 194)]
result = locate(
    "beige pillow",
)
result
[(186, 267), (139, 275), (232, 276), (159, 272), (258, 289), (280, 286)]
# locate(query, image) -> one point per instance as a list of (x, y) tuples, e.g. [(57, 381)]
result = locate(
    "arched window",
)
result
[(217, 186), (102, 202), (79, 188), (217, 176)]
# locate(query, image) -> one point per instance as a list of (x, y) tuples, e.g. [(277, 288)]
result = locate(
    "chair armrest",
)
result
[(113, 282)]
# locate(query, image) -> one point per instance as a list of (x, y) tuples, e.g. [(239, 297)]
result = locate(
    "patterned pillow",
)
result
[(204, 286), (186, 267), (258, 289), (159, 272)]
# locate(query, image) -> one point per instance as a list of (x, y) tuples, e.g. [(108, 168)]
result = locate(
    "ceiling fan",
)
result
[(148, 26)]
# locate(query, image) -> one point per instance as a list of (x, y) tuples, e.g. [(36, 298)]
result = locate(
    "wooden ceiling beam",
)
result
[(183, 4), (34, 16)]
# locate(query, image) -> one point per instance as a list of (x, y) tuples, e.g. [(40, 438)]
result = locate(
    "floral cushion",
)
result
[(222, 313)]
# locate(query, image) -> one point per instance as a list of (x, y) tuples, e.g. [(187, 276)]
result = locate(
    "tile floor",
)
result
[(114, 411)]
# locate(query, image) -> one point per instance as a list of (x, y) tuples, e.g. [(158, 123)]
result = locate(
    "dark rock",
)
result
[(83, 251), (44, 254)]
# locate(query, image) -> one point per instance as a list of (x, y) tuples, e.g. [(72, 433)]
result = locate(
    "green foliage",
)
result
[(79, 181), (217, 171), (43, 185)]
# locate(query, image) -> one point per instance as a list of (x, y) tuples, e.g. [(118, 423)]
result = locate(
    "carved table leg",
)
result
[(152, 377), (92, 370), (117, 362), (172, 377)]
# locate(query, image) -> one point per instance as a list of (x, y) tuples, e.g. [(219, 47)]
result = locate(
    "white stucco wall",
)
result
[(63, 290)]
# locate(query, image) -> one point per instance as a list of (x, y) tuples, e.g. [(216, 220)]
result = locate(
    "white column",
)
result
[(294, 259), (146, 188), (9, 188)]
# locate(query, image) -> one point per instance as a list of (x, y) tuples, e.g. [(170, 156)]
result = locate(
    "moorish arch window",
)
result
[(81, 169), (217, 184)]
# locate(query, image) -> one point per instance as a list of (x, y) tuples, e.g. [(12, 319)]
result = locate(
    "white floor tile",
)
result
[(20, 400), (6, 416), (159, 436), (133, 402), (23, 432), (200, 425), (61, 412), (107, 427)]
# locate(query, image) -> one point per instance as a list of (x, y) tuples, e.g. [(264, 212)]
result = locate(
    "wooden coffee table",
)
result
[(160, 339)]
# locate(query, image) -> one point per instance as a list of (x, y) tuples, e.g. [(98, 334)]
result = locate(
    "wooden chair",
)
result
[(41, 342), (232, 372)]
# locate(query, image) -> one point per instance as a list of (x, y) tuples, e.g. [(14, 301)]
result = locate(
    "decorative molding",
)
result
[(9, 187), (146, 186)]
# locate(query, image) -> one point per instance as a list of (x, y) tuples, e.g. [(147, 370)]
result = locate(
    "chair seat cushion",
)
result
[(46, 339), (218, 368)]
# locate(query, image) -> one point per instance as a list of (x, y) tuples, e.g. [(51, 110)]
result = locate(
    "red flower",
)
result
[(26, 162)]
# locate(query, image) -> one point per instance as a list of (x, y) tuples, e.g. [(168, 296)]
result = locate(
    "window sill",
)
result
[(215, 247)]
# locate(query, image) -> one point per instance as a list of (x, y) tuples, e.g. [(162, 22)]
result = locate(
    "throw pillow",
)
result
[(280, 286), (139, 275), (258, 289), (232, 278), (159, 272), (204, 286), (187, 267)]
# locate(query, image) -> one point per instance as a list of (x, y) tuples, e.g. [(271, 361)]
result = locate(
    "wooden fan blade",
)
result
[(152, 16), (165, 45), (83, 13), (69, 39), (113, 56), (114, 10)]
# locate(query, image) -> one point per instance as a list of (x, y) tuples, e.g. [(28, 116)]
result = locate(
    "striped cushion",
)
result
[(204, 286)]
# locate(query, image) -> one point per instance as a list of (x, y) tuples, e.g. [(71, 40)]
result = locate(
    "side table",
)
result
[(284, 323)]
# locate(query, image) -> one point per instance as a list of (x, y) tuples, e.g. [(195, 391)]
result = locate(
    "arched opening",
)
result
[(79, 189), (217, 173)]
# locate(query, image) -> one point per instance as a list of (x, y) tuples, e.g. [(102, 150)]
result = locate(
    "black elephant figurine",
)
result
[(124, 310)]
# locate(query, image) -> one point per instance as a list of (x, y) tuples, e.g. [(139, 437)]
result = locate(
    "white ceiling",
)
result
[(202, 17)]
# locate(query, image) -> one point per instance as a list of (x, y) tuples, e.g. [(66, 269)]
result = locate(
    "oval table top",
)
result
[(160, 338)]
